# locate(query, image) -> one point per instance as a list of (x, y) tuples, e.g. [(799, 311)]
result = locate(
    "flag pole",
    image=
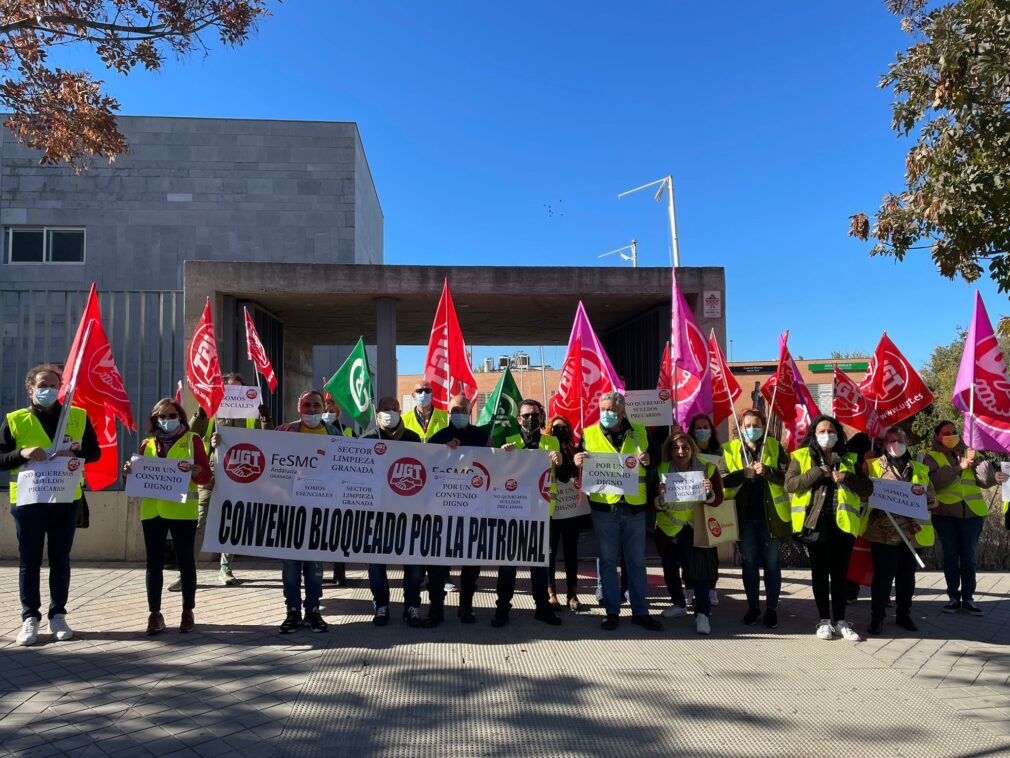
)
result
[(68, 396), (736, 419)]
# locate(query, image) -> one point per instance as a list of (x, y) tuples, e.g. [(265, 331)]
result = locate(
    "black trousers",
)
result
[(506, 587), (892, 564), (566, 533), (184, 540), (437, 577), (829, 569)]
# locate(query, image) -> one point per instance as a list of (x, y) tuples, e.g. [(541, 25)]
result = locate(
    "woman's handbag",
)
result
[(715, 526)]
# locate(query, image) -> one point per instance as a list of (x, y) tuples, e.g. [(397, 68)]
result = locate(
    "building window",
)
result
[(45, 245)]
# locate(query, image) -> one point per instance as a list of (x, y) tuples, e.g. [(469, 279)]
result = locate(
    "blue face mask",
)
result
[(608, 419), (168, 425), (703, 435), (423, 399), (459, 420), (44, 397), (753, 433)]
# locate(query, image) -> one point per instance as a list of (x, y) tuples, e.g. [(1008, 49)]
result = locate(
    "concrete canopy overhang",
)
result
[(497, 305)]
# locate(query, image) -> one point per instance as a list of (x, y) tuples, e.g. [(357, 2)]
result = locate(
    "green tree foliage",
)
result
[(951, 90), (848, 355)]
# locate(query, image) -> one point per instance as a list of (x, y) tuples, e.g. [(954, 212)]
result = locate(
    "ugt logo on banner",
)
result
[(406, 476), (244, 463)]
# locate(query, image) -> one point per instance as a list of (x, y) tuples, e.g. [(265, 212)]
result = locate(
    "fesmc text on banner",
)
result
[(312, 497)]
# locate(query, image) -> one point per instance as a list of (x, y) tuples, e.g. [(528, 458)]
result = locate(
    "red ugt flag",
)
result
[(447, 357), (725, 388), (257, 354), (892, 385), (850, 407), (568, 401), (100, 391), (793, 402), (203, 369)]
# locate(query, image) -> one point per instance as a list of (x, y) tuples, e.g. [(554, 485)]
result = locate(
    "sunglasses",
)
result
[(167, 416), (530, 415)]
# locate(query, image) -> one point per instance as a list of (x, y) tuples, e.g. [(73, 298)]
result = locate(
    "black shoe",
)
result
[(906, 623), (876, 626), (647, 622), (610, 622), (339, 576), (435, 617), (381, 617), (466, 614), (548, 616), (771, 618), (954, 606), (292, 621), (750, 618), (499, 619), (315, 621), (971, 609), (412, 616)]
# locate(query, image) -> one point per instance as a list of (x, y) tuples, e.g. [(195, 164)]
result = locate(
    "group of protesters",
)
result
[(817, 495)]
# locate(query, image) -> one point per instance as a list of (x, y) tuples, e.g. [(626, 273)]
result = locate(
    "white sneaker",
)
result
[(58, 625), (689, 596), (701, 624), (29, 632), (448, 587), (713, 597), (674, 612), (847, 632), (825, 631)]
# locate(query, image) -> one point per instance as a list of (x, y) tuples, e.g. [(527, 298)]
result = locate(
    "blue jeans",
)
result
[(622, 529), (959, 540), (292, 573), (760, 549), (34, 524), (378, 583)]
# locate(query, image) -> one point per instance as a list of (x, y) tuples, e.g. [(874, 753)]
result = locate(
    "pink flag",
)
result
[(447, 359), (692, 384), (982, 389), (585, 376)]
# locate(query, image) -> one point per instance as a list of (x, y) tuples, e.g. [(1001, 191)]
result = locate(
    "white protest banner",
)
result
[(1004, 467), (321, 498), (610, 474), (569, 502), (240, 402), (649, 407), (159, 478), (899, 498), (52, 481), (684, 487)]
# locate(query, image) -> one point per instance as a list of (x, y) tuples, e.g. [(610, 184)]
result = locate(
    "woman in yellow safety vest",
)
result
[(753, 473), (893, 562), (958, 479), (826, 483), (168, 436), (675, 532), (703, 432)]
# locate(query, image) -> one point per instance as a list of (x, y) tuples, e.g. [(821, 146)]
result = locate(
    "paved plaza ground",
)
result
[(235, 687)]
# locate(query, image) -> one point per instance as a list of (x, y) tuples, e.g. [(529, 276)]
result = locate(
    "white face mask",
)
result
[(897, 449), (389, 419), (312, 420), (827, 440), (329, 418)]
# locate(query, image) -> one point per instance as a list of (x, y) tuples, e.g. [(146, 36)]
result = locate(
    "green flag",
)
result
[(501, 412), (351, 386)]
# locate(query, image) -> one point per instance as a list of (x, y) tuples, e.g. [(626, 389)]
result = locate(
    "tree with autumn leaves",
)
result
[(952, 92), (65, 114)]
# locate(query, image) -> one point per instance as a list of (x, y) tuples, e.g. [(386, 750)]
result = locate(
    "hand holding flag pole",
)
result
[(68, 397)]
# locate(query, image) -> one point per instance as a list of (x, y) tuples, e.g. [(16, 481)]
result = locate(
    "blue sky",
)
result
[(504, 133)]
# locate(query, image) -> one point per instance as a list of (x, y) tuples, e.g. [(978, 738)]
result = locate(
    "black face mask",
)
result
[(562, 434), (530, 425)]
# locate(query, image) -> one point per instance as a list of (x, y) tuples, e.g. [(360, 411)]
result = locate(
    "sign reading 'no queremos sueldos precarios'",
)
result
[(316, 497)]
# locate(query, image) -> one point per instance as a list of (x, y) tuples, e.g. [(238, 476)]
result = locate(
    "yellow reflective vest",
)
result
[(250, 423), (150, 507), (547, 442), (438, 420), (963, 489), (675, 516), (732, 453), (636, 441), (926, 536), (27, 431), (847, 511)]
